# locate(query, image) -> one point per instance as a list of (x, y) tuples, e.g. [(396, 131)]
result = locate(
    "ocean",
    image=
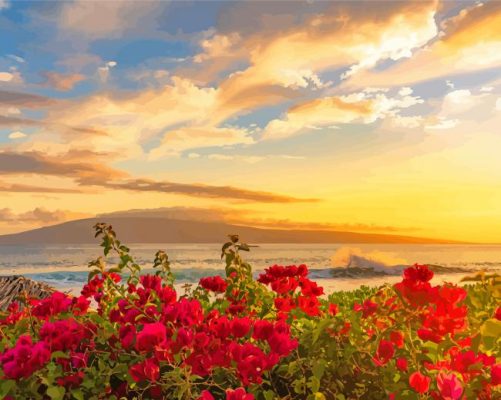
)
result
[(334, 266)]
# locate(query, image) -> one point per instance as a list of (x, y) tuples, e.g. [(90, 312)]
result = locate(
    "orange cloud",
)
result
[(366, 106), (87, 169), (63, 82), (284, 61), (471, 42)]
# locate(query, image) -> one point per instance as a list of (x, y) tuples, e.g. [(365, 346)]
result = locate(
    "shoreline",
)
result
[(330, 285)]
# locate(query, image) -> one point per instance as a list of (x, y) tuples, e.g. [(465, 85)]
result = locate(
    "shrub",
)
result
[(130, 335)]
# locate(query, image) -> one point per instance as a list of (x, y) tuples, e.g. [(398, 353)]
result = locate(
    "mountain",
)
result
[(137, 229)]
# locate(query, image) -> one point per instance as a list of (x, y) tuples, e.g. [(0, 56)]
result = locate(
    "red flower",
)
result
[(262, 330), (368, 308), (238, 394), (397, 338), (418, 273), (281, 343), (310, 305), (152, 335), (284, 305), (148, 370), (80, 305), (214, 283), (450, 386), (333, 309), (240, 326), (426, 334), (385, 352), (497, 315), (206, 395), (419, 382), (402, 364), (310, 288), (496, 374), (284, 285)]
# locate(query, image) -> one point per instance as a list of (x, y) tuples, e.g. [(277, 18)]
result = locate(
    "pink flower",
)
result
[(450, 386), (238, 394), (148, 370), (152, 335)]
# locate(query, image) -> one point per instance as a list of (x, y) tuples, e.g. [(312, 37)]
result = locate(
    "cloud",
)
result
[(442, 124), (236, 157), (410, 122), (111, 20), (85, 172), (39, 216), (292, 56), (16, 58), (182, 139), (24, 100), (471, 42), (250, 159), (88, 170), (20, 188), (364, 107), (207, 191), (63, 82), (14, 121), (317, 113), (498, 104), (131, 119), (459, 106), (104, 71), (17, 135), (6, 77)]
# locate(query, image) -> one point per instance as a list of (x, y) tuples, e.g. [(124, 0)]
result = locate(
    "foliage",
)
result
[(130, 336)]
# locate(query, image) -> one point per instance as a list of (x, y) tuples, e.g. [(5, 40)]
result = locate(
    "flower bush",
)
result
[(130, 335)]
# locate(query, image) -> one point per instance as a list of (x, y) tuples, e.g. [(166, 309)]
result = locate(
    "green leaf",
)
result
[(319, 368), (59, 354), (314, 384), (56, 392), (491, 327), (269, 395), (77, 394), (6, 386)]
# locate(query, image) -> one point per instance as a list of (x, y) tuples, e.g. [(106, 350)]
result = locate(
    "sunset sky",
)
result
[(380, 117)]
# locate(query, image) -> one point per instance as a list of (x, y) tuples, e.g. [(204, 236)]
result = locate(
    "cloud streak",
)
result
[(88, 174)]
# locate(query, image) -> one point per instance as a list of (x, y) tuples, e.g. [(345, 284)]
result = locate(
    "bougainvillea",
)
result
[(132, 335)]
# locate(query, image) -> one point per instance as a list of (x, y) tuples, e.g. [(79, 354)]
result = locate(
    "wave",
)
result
[(378, 261)]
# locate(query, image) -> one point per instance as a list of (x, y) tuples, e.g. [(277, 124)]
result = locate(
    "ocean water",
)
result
[(335, 266)]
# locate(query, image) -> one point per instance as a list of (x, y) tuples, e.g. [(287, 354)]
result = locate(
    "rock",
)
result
[(13, 287)]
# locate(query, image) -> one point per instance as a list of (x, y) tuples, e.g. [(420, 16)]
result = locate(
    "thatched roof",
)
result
[(11, 287)]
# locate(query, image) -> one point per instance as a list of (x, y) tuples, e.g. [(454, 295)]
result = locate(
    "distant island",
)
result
[(141, 229)]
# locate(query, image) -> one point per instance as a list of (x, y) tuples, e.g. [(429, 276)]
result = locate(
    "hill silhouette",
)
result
[(136, 229)]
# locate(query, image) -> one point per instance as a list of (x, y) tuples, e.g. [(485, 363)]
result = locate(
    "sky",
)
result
[(367, 116)]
